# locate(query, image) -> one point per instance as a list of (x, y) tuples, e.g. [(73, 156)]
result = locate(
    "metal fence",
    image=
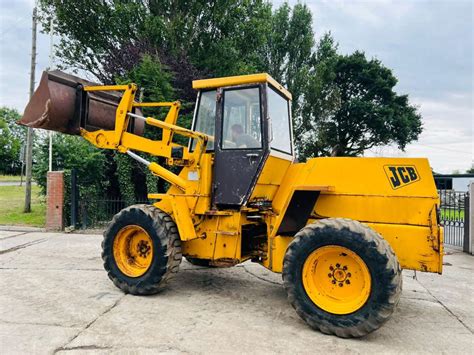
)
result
[(98, 213), (453, 215)]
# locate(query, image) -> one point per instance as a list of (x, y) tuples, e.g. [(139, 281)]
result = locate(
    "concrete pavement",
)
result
[(56, 298)]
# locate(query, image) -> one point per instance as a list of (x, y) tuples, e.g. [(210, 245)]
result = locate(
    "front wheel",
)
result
[(141, 249), (342, 277)]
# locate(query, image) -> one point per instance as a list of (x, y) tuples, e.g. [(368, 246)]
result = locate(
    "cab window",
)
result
[(241, 123), (279, 113), (206, 117)]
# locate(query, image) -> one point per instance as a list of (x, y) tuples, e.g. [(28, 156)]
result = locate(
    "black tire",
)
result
[(384, 269), (165, 238), (199, 262)]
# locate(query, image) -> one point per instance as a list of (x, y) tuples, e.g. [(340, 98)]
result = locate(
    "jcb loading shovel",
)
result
[(340, 230)]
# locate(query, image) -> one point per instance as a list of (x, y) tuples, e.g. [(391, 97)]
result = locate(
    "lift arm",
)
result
[(124, 142)]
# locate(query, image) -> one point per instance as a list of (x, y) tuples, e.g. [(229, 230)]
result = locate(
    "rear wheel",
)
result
[(342, 277), (141, 249)]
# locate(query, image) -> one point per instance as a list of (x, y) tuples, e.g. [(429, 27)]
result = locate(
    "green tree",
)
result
[(108, 38), (351, 106), (11, 138), (73, 152), (287, 53), (92, 30)]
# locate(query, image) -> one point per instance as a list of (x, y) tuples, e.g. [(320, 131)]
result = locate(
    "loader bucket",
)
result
[(59, 104)]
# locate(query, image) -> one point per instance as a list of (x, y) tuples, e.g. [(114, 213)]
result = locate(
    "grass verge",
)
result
[(12, 199), (452, 214)]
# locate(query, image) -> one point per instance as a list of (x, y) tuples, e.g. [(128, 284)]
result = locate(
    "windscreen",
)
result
[(241, 125)]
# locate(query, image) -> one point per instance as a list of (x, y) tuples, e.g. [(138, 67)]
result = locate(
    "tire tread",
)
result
[(169, 237)]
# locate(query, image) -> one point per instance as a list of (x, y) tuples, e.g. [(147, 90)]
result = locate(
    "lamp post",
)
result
[(30, 133), (51, 64)]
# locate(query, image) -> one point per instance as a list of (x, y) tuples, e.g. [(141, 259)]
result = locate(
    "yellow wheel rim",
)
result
[(133, 250), (336, 279)]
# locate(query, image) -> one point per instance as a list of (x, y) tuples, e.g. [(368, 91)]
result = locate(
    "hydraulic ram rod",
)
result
[(138, 158), (160, 171)]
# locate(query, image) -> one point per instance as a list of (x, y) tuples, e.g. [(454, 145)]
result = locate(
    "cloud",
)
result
[(15, 49), (366, 12), (427, 44), (447, 137)]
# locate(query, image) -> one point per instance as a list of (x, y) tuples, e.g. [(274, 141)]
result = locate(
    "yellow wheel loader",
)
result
[(339, 230)]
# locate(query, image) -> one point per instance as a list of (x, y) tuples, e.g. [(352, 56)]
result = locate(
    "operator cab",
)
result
[(248, 119)]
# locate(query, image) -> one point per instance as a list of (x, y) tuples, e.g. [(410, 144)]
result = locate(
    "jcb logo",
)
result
[(401, 175)]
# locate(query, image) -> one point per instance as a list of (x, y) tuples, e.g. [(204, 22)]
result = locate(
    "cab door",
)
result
[(241, 144)]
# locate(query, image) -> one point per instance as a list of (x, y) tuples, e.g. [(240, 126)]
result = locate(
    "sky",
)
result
[(427, 44)]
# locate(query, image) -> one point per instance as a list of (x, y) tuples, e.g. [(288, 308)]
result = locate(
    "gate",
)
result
[(454, 212), (94, 212)]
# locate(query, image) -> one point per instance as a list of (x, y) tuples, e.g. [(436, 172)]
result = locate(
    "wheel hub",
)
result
[(339, 275), (133, 251), (347, 285), (143, 248)]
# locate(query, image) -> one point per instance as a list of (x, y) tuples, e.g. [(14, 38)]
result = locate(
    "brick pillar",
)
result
[(55, 201)]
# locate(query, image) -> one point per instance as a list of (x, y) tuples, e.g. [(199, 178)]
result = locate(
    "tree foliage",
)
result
[(12, 137), (192, 38), (287, 53)]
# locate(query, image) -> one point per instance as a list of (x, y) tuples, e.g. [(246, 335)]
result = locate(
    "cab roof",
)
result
[(240, 80)]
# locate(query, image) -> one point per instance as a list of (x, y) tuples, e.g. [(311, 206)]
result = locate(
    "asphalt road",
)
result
[(56, 298)]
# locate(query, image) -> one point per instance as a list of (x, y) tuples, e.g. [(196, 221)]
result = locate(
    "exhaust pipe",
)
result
[(59, 104)]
